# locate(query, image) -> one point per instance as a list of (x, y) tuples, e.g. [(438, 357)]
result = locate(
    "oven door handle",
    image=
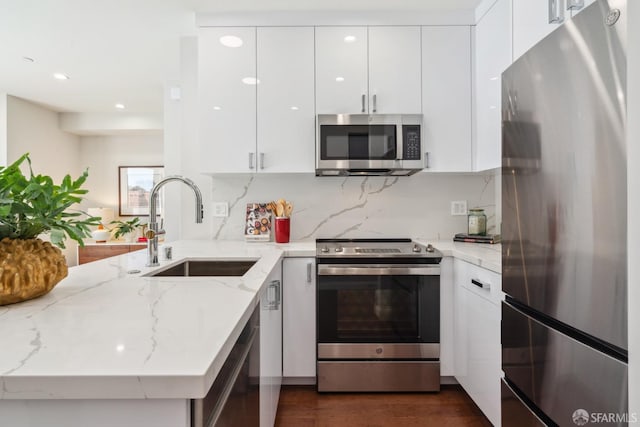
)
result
[(377, 270)]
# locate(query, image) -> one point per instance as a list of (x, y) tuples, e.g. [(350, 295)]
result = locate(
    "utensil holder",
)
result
[(282, 228)]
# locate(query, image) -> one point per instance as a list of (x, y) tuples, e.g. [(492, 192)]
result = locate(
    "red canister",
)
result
[(282, 229)]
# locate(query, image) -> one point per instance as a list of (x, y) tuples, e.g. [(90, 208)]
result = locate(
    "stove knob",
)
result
[(416, 248), (338, 249), (324, 249), (430, 248)]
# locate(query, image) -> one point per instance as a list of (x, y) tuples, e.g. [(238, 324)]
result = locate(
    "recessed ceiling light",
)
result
[(231, 41), (119, 106), (349, 39), (217, 108), (339, 79), (294, 108), (250, 81), (60, 76)]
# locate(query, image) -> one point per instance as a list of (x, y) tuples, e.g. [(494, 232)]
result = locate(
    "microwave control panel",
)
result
[(411, 142)]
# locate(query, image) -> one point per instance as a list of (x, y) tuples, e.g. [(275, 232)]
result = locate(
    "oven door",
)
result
[(360, 304)]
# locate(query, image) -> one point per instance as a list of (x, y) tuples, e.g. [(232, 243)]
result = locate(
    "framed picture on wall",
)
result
[(134, 189)]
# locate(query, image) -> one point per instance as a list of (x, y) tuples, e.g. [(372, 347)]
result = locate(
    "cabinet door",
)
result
[(530, 24), (227, 99), (286, 114), (483, 354), (341, 70), (299, 319), (492, 57), (270, 347), (446, 97), (394, 70)]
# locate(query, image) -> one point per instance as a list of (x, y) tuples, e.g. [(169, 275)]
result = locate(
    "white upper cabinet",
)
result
[(286, 114), (492, 57), (446, 98), (394, 70), (227, 98), (341, 70), (530, 24), (368, 70), (531, 21), (256, 99)]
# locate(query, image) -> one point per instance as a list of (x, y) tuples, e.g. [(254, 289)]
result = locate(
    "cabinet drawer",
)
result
[(478, 280)]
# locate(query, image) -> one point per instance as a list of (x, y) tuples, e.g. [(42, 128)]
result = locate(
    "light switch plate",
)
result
[(220, 209), (459, 207)]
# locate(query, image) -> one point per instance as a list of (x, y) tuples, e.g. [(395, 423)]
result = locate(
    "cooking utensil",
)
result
[(288, 208)]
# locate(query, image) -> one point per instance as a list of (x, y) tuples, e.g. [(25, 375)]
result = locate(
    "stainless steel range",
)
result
[(378, 315)]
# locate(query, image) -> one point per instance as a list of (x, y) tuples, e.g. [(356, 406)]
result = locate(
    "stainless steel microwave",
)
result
[(363, 144)]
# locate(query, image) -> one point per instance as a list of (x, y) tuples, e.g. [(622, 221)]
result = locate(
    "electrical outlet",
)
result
[(220, 209), (459, 207)]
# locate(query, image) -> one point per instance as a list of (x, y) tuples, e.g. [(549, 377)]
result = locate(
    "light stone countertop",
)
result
[(103, 333)]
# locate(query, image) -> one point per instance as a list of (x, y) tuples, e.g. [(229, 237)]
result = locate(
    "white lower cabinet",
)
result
[(270, 347), (299, 321), (477, 336)]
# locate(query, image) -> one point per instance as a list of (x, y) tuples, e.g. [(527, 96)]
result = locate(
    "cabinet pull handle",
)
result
[(261, 160), (309, 272), (273, 296), (375, 108), (251, 157), (575, 4), (363, 100), (426, 160), (481, 285), (556, 11)]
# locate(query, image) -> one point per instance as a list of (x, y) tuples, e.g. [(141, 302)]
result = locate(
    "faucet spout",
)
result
[(154, 231)]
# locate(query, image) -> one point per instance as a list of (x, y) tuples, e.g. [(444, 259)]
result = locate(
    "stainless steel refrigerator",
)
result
[(564, 207)]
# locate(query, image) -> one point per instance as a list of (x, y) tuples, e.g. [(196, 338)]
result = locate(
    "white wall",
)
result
[(34, 129), (633, 191), (103, 154)]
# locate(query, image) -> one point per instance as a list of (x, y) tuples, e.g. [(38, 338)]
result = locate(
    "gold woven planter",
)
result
[(29, 269)]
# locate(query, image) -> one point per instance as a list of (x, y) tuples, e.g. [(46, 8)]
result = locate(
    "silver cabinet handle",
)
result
[(309, 265), (482, 285), (273, 296), (251, 160), (374, 103), (426, 160), (575, 4), (261, 160), (556, 11), (364, 98)]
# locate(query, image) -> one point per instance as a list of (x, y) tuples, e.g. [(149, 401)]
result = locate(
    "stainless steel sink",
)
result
[(194, 268)]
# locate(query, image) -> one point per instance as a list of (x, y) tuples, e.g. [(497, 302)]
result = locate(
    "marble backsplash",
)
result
[(416, 206)]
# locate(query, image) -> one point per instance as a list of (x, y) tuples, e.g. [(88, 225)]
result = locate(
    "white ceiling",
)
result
[(124, 51)]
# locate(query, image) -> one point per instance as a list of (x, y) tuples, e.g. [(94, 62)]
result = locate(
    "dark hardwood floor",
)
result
[(302, 406)]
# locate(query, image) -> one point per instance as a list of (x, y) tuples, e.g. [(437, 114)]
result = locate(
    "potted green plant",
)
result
[(29, 207), (126, 228)]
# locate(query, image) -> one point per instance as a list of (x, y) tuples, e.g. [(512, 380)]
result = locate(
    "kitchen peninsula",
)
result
[(107, 343)]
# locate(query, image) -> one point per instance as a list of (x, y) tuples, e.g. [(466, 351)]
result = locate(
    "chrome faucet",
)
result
[(153, 232)]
